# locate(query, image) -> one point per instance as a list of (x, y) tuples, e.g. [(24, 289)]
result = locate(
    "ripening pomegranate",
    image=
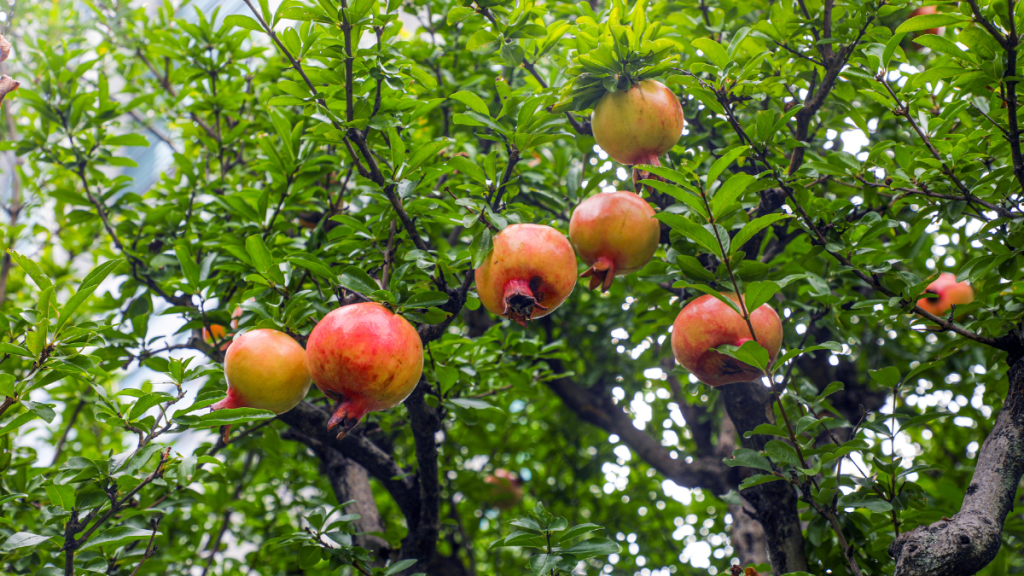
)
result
[(707, 323), (638, 125), (949, 291), (217, 333), (366, 358), (265, 369), (529, 273), (506, 489), (615, 233), (922, 11)]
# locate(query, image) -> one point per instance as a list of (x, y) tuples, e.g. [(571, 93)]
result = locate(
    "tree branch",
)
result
[(970, 540)]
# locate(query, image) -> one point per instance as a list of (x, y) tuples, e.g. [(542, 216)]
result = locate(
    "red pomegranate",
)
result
[(506, 489), (265, 369), (615, 233), (949, 291), (707, 323), (529, 273), (638, 125), (366, 358)]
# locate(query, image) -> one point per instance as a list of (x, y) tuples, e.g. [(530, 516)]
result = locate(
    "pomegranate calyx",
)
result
[(520, 300), (348, 414), (601, 273)]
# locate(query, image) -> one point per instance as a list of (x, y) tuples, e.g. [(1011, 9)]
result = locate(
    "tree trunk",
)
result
[(775, 503), (964, 544)]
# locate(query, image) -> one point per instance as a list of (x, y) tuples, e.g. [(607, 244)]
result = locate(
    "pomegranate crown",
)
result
[(614, 55)]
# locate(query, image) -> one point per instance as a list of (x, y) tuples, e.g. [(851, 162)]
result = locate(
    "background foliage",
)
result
[(167, 163)]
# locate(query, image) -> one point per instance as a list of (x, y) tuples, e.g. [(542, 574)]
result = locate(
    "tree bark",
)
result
[(970, 540), (775, 503), (350, 482)]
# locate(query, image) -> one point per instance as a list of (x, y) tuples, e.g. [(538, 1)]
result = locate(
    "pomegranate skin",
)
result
[(366, 358), (950, 293), (265, 369), (615, 234), (529, 273), (707, 323), (638, 125), (506, 489)]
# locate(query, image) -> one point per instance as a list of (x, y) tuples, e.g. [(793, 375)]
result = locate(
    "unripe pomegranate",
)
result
[(265, 369), (707, 323), (506, 489), (366, 358), (529, 273), (950, 292), (638, 125), (615, 233)]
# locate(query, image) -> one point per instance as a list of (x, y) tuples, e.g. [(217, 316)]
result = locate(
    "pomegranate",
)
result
[(366, 358), (638, 125), (265, 369), (216, 333), (529, 273), (615, 233), (949, 291), (506, 489), (707, 323)]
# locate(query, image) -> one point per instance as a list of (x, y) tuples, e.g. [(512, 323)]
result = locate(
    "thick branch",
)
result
[(421, 542), (312, 422), (775, 503), (970, 540), (708, 472)]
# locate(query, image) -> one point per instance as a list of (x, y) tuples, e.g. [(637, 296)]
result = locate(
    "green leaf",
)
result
[(224, 417), (722, 163), (729, 192), (242, 21), (750, 353), (767, 429), (473, 404), (713, 51), (543, 564), (22, 540), (456, 15), (89, 285), (753, 227), (758, 293), (7, 348), (829, 390), (577, 531), (63, 496), (922, 419), (782, 453), (314, 265), (474, 102), (873, 504), (888, 376), (928, 21), (691, 230), (116, 537), (750, 459), (32, 269), (593, 547), (757, 480), (399, 566), (17, 422), (354, 278), (189, 267), (262, 260), (426, 299)]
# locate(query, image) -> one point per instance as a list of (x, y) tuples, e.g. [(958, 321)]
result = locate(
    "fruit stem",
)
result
[(601, 273), (520, 300)]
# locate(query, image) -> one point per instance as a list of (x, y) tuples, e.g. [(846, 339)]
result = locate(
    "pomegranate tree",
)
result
[(707, 323), (949, 292), (265, 369), (638, 125), (366, 358), (615, 234), (529, 273)]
